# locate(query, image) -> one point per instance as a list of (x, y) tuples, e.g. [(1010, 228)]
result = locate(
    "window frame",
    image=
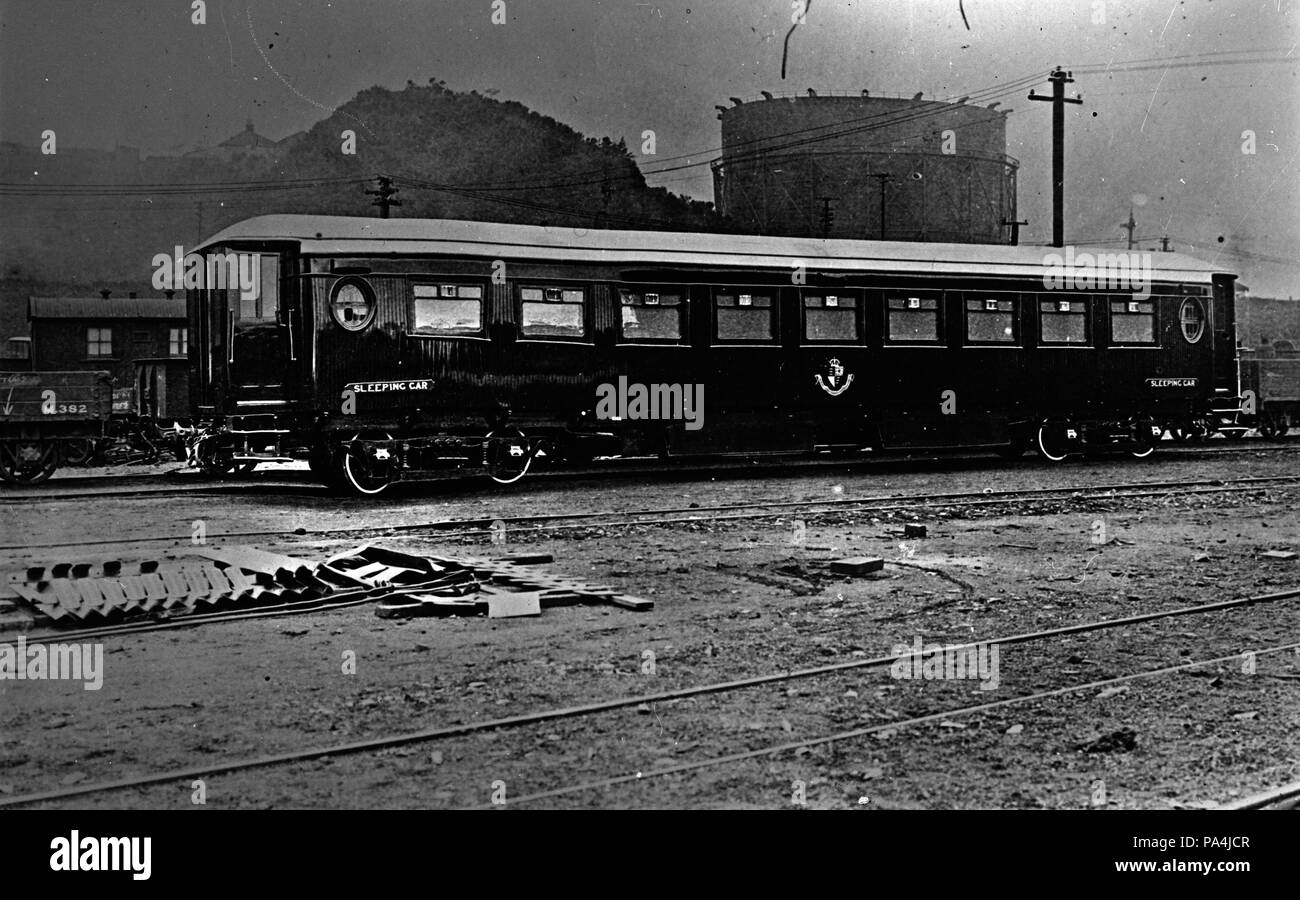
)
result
[(1089, 341), (1017, 340), (1205, 319), (362, 284), (560, 285), (940, 325), (235, 295), (641, 288), (99, 341), (1154, 343), (859, 298), (181, 341), (440, 282), (774, 314)]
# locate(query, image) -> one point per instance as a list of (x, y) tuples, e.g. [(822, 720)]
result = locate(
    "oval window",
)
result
[(352, 303), (1192, 318)]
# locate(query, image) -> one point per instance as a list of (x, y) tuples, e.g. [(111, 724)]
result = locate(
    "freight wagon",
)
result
[(46, 417)]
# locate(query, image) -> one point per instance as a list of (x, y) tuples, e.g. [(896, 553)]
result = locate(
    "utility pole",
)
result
[(384, 196), (828, 215), (1129, 226), (1059, 79), (885, 178)]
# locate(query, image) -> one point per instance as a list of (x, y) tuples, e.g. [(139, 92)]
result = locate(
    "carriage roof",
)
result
[(358, 236)]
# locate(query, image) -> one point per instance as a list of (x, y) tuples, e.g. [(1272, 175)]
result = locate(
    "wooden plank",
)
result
[(857, 565), (627, 601), (511, 604)]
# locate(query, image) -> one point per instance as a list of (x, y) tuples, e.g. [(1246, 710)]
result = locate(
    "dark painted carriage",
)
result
[(387, 349)]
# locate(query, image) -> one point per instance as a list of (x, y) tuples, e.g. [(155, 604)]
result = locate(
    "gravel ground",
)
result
[(733, 600)]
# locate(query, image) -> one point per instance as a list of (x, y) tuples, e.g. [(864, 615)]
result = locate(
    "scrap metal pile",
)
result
[(244, 579)]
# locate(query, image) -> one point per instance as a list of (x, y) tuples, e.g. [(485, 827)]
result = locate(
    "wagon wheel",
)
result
[(28, 462), (1051, 440), (507, 455), (368, 463), (77, 452)]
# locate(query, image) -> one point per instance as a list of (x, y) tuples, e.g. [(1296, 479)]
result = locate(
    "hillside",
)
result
[(453, 155)]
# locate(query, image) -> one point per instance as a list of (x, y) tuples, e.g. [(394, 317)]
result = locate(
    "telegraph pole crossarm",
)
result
[(384, 196)]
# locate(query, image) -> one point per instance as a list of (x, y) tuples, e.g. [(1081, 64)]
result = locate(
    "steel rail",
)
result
[(873, 729), (969, 498), (432, 734), (1265, 799), (623, 467)]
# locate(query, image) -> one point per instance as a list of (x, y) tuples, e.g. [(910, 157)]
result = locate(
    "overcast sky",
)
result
[(1168, 139)]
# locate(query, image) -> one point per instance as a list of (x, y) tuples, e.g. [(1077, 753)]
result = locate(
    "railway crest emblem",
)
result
[(833, 379)]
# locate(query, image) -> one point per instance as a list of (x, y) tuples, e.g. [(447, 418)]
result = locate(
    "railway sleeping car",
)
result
[(47, 417), (384, 350)]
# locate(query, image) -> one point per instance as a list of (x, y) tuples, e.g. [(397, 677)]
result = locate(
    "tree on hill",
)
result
[(463, 155)]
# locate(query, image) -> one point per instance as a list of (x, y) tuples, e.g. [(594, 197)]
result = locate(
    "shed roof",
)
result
[(110, 308)]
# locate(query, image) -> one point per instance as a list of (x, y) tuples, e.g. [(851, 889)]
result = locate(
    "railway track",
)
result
[(544, 523), (301, 482), (376, 744)]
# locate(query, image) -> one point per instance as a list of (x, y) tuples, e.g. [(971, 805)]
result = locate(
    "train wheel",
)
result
[(507, 455), (77, 452), (1052, 442), (367, 464), (1144, 440), (28, 462), (1267, 426)]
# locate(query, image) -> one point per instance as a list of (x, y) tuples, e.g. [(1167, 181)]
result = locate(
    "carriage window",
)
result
[(178, 341), (1063, 321), (743, 316), (1192, 319), (553, 312), (447, 309), (262, 303), (914, 320), (990, 320), (651, 315), (830, 317), (1132, 322), (99, 342), (352, 303)]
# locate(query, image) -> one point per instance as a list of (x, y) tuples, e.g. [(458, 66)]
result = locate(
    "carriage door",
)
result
[(263, 331)]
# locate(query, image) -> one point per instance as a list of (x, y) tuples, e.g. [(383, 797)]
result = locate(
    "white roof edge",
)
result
[(379, 237)]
